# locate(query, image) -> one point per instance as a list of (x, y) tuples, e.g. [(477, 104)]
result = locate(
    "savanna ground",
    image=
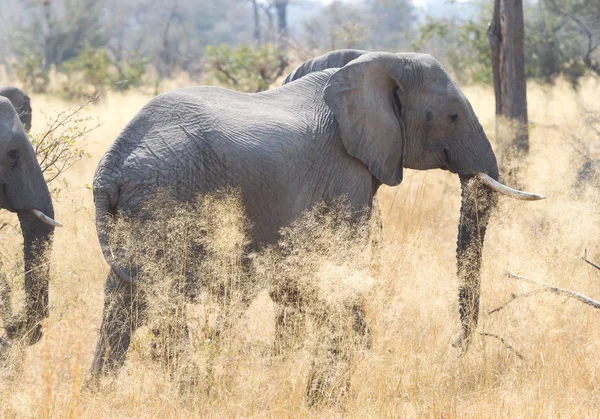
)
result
[(412, 369)]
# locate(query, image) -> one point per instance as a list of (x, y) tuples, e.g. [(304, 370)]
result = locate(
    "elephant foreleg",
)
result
[(361, 327), (124, 311), (5, 300)]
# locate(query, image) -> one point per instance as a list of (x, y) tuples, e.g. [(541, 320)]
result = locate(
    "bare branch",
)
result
[(505, 343), (590, 262), (514, 296), (561, 291), (226, 73), (61, 145), (587, 58)]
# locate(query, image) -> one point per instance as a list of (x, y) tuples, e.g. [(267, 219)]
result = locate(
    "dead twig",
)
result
[(515, 295), (588, 261), (505, 343), (561, 291)]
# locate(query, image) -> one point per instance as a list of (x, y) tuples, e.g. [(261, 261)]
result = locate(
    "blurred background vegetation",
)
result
[(77, 48)]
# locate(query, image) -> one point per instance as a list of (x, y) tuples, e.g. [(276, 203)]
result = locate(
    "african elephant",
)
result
[(24, 191), (340, 131), (21, 103)]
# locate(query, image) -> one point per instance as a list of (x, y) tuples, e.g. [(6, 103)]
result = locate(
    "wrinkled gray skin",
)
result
[(477, 200), (22, 188), (21, 103), (341, 131)]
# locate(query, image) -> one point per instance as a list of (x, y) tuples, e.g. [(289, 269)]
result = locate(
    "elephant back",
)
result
[(333, 59), (20, 102)]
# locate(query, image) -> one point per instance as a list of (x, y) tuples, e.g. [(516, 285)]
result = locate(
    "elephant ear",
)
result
[(363, 98), (333, 59)]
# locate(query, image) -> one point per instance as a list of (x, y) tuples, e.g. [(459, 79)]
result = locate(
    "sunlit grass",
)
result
[(411, 303)]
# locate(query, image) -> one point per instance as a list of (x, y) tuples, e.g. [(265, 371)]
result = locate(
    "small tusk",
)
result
[(505, 190), (44, 218)]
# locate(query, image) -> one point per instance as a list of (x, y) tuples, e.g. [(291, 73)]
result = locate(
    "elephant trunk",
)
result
[(478, 201), (37, 241)]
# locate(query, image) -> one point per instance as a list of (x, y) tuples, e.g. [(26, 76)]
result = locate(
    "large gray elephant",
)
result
[(352, 120), (21, 103), (23, 190)]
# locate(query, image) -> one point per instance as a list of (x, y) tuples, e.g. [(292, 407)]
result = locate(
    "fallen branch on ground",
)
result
[(590, 262), (505, 343), (515, 295), (546, 288)]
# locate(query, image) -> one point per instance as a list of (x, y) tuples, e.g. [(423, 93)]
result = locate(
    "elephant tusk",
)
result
[(505, 190), (44, 218)]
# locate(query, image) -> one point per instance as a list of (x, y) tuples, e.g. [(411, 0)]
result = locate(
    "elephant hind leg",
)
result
[(169, 347), (361, 327), (335, 354), (290, 323), (124, 310)]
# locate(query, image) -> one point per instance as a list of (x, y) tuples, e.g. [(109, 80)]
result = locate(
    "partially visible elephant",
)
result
[(21, 103), (342, 131), (24, 191)]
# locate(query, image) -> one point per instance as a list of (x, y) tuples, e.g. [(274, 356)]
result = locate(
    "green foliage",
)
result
[(462, 46), (30, 71), (560, 40), (246, 68), (88, 73), (95, 70), (131, 71), (341, 25)]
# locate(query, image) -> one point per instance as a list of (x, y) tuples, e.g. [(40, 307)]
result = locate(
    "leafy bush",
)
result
[(464, 44), (31, 72), (131, 71), (560, 41), (245, 68), (94, 70)]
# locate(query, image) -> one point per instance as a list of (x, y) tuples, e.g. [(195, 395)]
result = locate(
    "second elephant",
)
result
[(20, 102)]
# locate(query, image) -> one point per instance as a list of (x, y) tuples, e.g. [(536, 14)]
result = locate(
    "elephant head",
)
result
[(21, 103), (23, 190), (397, 111)]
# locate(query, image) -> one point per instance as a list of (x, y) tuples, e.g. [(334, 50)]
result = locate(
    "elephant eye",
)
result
[(13, 154), (453, 117)]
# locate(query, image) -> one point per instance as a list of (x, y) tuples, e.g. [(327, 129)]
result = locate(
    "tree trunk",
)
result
[(256, 22), (506, 37), (281, 7)]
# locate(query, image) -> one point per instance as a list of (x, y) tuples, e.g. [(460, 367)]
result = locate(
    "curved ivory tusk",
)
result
[(505, 190), (44, 218)]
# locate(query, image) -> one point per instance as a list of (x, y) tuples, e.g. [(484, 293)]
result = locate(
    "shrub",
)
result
[(31, 72), (245, 68), (95, 70)]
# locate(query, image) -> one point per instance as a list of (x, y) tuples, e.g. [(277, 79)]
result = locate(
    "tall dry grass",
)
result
[(411, 303)]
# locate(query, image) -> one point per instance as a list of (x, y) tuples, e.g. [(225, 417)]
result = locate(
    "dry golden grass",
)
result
[(412, 369)]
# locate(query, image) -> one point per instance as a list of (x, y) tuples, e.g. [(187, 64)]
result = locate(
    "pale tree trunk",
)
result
[(506, 35), (256, 22), (281, 8)]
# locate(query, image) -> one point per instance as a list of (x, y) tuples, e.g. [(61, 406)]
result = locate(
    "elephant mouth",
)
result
[(447, 165), (5, 203)]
